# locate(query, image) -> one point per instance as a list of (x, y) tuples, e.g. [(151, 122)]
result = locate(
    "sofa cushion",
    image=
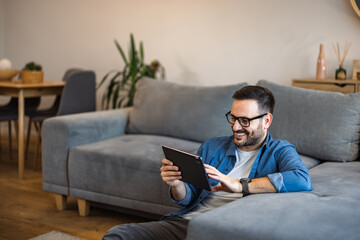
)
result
[(187, 112), (127, 167), (323, 125)]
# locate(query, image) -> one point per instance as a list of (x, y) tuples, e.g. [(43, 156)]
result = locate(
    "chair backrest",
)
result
[(71, 71), (79, 94), (66, 76)]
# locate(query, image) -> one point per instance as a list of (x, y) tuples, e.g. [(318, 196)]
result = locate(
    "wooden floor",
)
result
[(27, 211)]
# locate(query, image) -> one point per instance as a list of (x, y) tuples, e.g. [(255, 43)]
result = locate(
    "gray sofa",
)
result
[(114, 158)]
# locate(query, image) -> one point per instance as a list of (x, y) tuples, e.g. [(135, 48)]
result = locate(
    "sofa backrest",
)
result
[(323, 125), (186, 112)]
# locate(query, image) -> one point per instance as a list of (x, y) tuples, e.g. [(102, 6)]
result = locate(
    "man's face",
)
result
[(249, 138)]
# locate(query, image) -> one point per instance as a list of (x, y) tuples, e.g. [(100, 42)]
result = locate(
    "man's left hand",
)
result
[(227, 184)]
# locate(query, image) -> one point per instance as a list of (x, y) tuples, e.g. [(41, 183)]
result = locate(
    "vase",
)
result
[(340, 73), (321, 64)]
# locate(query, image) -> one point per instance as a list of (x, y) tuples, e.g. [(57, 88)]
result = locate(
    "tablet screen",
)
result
[(191, 167)]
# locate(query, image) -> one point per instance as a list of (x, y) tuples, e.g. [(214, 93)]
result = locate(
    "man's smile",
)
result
[(240, 134)]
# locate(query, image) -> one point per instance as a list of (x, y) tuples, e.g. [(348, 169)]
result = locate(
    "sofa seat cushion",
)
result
[(126, 166), (329, 212), (187, 112), (337, 180), (323, 125)]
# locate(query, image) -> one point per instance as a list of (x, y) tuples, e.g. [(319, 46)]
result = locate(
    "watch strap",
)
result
[(245, 186)]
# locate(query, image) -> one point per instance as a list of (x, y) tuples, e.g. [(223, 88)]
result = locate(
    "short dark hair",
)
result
[(263, 96)]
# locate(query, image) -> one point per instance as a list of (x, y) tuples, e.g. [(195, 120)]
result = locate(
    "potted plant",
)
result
[(121, 87), (32, 73)]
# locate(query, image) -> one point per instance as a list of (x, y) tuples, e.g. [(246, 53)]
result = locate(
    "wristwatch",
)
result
[(245, 186)]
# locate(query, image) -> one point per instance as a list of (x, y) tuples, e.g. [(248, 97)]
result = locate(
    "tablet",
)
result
[(191, 167)]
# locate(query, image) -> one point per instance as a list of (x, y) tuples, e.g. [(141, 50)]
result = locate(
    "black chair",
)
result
[(52, 111), (78, 96), (9, 113)]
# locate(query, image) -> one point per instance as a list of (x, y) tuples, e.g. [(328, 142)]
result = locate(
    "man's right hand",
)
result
[(171, 175)]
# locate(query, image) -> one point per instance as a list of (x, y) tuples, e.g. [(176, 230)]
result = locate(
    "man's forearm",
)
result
[(261, 185), (178, 192)]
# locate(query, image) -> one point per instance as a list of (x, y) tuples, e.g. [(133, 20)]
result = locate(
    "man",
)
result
[(248, 162)]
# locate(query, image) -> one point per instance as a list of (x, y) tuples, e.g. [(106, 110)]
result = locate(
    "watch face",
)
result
[(245, 180)]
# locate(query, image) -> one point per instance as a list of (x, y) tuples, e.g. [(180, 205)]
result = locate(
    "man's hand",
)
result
[(227, 184), (171, 175)]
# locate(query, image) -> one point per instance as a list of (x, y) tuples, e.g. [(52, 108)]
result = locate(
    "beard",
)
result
[(250, 139)]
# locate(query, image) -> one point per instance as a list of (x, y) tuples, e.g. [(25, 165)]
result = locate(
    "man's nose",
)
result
[(237, 126)]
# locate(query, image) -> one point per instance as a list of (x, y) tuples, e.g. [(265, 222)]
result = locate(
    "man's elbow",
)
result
[(304, 183), (307, 186), (300, 181)]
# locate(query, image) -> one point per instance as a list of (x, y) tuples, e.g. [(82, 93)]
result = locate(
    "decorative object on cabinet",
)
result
[(340, 73), (321, 64), (5, 64), (32, 73), (121, 88), (8, 74), (6, 71), (356, 6), (356, 70), (330, 85)]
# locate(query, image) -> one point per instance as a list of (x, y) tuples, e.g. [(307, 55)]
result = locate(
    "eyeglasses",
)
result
[(244, 121)]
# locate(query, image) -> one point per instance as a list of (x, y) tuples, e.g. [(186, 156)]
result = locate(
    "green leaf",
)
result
[(115, 96), (104, 78), (103, 100), (125, 76), (120, 102), (121, 52), (110, 92), (133, 56), (141, 53)]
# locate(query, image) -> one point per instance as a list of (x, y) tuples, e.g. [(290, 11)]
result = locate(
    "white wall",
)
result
[(200, 42), (2, 29)]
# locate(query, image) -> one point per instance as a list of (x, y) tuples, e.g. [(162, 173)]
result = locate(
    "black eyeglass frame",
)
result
[(244, 118)]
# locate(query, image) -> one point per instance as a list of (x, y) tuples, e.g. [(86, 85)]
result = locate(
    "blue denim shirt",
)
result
[(277, 159)]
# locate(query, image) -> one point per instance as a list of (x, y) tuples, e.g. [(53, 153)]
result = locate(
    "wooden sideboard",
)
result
[(332, 85)]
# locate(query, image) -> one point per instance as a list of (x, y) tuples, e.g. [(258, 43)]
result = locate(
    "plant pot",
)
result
[(32, 76)]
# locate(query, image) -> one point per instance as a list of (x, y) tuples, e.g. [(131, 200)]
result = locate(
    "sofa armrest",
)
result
[(61, 133)]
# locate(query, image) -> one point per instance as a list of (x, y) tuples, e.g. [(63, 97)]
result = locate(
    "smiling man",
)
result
[(248, 162)]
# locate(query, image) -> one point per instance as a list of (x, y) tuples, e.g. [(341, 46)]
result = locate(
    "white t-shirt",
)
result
[(242, 168)]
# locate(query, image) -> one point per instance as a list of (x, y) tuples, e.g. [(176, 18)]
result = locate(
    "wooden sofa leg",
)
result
[(60, 201), (84, 207)]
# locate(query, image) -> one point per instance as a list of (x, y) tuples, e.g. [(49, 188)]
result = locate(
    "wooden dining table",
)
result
[(21, 91)]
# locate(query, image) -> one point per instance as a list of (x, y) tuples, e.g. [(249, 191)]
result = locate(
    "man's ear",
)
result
[(268, 120)]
